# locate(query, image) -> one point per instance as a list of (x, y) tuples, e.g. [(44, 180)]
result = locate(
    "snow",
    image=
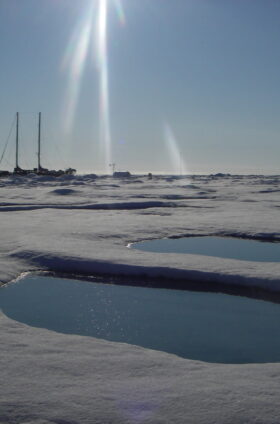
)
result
[(49, 224), (53, 378), (82, 225)]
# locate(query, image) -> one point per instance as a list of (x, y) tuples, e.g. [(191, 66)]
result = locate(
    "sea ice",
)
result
[(53, 378)]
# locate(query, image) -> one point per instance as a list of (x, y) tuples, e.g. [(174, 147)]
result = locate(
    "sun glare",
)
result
[(120, 11), (91, 34), (177, 161), (104, 110), (74, 60)]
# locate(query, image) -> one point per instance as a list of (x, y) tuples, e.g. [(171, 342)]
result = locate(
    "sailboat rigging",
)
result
[(39, 170)]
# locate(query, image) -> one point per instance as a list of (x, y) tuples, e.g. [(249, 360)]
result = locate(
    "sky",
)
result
[(181, 86)]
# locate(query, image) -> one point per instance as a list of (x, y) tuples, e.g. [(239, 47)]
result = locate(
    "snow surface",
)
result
[(48, 377), (82, 225)]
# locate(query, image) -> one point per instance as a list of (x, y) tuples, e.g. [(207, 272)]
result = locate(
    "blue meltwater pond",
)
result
[(222, 247), (210, 327)]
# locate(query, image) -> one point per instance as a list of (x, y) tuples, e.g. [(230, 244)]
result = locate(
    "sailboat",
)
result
[(44, 171), (39, 170)]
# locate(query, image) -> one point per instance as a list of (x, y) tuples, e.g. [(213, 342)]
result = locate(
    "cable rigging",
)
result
[(8, 139)]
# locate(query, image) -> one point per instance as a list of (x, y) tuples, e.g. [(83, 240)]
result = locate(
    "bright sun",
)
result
[(91, 34)]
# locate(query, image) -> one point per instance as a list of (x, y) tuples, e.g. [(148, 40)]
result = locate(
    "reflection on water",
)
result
[(223, 247), (203, 326)]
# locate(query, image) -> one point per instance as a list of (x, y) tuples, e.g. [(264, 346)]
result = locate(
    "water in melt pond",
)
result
[(222, 247), (210, 327)]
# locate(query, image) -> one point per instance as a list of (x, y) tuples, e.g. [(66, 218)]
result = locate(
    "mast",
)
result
[(39, 142), (17, 142)]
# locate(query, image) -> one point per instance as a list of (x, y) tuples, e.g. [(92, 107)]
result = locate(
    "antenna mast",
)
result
[(17, 142), (39, 142)]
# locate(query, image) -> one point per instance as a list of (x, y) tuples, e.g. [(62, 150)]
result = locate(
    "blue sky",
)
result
[(208, 70)]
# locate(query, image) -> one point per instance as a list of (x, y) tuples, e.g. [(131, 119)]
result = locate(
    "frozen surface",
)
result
[(82, 225), (53, 378)]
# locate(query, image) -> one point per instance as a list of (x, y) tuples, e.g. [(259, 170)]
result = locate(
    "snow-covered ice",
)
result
[(82, 225), (51, 378)]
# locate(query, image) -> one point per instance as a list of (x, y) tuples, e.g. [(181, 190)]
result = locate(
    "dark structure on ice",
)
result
[(39, 170), (121, 174)]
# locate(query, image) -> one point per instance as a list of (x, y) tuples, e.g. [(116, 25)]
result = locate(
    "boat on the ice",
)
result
[(39, 170), (4, 173)]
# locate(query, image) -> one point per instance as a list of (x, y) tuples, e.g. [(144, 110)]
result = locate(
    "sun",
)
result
[(91, 35)]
